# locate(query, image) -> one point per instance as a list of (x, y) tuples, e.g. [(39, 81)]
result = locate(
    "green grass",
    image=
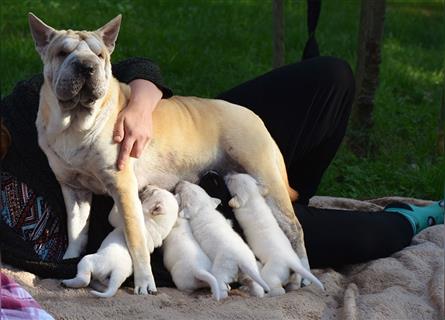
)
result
[(205, 47)]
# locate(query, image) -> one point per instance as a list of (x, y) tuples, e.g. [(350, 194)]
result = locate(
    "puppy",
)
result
[(225, 248), (188, 264), (112, 263), (163, 209), (264, 236)]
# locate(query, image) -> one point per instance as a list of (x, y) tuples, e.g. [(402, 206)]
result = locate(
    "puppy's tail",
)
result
[(297, 267), (207, 277), (253, 272), (113, 285)]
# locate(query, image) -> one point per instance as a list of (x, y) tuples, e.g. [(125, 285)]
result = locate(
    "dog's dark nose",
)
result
[(86, 68)]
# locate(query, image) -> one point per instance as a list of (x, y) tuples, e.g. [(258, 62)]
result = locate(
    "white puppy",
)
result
[(112, 263), (225, 248), (188, 264), (264, 236)]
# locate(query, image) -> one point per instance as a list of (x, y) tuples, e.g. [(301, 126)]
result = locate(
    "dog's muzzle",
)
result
[(80, 83)]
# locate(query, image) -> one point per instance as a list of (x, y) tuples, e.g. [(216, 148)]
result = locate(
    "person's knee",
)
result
[(338, 74)]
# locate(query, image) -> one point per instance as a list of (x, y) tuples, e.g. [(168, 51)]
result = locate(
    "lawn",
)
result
[(205, 47)]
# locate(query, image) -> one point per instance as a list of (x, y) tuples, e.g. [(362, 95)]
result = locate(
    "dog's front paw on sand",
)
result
[(144, 286)]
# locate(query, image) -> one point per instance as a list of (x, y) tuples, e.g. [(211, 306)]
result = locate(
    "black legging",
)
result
[(306, 108)]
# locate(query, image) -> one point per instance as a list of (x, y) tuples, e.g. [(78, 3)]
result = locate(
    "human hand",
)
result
[(133, 128)]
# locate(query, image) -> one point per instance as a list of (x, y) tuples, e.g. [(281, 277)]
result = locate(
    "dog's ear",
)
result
[(234, 202), (216, 202), (41, 33), (109, 32), (157, 209)]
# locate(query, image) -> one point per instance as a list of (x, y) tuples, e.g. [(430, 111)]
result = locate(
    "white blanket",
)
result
[(407, 285)]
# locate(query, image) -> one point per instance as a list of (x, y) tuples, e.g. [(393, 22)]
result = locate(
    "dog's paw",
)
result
[(143, 287), (275, 292)]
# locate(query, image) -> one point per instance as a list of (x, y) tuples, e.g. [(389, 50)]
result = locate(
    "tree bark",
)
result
[(372, 18), (278, 33)]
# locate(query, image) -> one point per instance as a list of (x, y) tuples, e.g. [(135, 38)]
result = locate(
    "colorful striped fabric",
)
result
[(30, 216)]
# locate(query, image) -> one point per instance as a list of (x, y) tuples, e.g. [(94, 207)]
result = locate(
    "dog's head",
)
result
[(157, 201), (77, 64), (243, 187), (192, 198)]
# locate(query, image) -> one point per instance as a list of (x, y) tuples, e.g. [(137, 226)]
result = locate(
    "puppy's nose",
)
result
[(86, 68)]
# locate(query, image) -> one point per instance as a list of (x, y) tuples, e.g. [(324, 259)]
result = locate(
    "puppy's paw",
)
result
[(278, 291)]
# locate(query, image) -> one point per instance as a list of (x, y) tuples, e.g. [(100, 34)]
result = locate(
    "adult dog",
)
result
[(79, 103)]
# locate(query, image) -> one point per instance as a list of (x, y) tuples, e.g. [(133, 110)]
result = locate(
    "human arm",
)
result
[(134, 124)]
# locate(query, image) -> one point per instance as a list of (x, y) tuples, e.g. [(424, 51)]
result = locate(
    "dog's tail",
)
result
[(207, 277), (293, 194), (253, 272), (297, 267), (114, 284)]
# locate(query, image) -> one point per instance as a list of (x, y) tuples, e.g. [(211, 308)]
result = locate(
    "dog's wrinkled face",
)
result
[(76, 63)]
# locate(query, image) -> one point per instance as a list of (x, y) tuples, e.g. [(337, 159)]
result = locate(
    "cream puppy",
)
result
[(225, 248), (264, 236), (112, 263), (187, 263)]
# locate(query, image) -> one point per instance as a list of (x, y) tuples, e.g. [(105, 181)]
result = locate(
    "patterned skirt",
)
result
[(32, 219)]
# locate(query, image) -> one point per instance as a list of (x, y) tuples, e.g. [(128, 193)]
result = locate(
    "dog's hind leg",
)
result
[(269, 274), (83, 277), (224, 271)]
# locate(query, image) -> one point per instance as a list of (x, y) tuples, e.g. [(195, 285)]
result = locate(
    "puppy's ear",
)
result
[(216, 202), (158, 209), (109, 32), (234, 202), (41, 33)]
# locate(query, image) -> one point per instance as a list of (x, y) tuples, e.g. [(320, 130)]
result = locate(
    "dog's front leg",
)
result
[(78, 204), (124, 191)]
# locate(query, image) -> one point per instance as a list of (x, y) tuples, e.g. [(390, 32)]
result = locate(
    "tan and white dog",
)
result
[(263, 234), (79, 103), (112, 264)]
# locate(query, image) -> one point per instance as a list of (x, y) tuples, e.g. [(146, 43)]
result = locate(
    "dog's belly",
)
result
[(166, 174)]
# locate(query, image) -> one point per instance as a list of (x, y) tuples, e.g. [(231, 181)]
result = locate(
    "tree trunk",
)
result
[(372, 18), (278, 33)]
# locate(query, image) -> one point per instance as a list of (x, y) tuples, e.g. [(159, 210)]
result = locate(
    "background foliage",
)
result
[(205, 47)]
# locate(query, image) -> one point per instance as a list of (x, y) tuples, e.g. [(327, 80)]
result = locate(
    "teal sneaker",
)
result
[(420, 217)]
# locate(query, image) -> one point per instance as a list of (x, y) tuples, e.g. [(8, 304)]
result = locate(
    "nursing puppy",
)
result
[(225, 248), (80, 101), (188, 265), (163, 209), (264, 236), (112, 263)]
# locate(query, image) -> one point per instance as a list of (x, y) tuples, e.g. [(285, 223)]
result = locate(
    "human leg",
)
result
[(305, 106)]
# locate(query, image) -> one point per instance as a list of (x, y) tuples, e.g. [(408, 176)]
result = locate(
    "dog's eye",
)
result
[(62, 54), (100, 55)]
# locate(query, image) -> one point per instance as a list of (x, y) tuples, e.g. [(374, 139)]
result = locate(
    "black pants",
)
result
[(306, 107)]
